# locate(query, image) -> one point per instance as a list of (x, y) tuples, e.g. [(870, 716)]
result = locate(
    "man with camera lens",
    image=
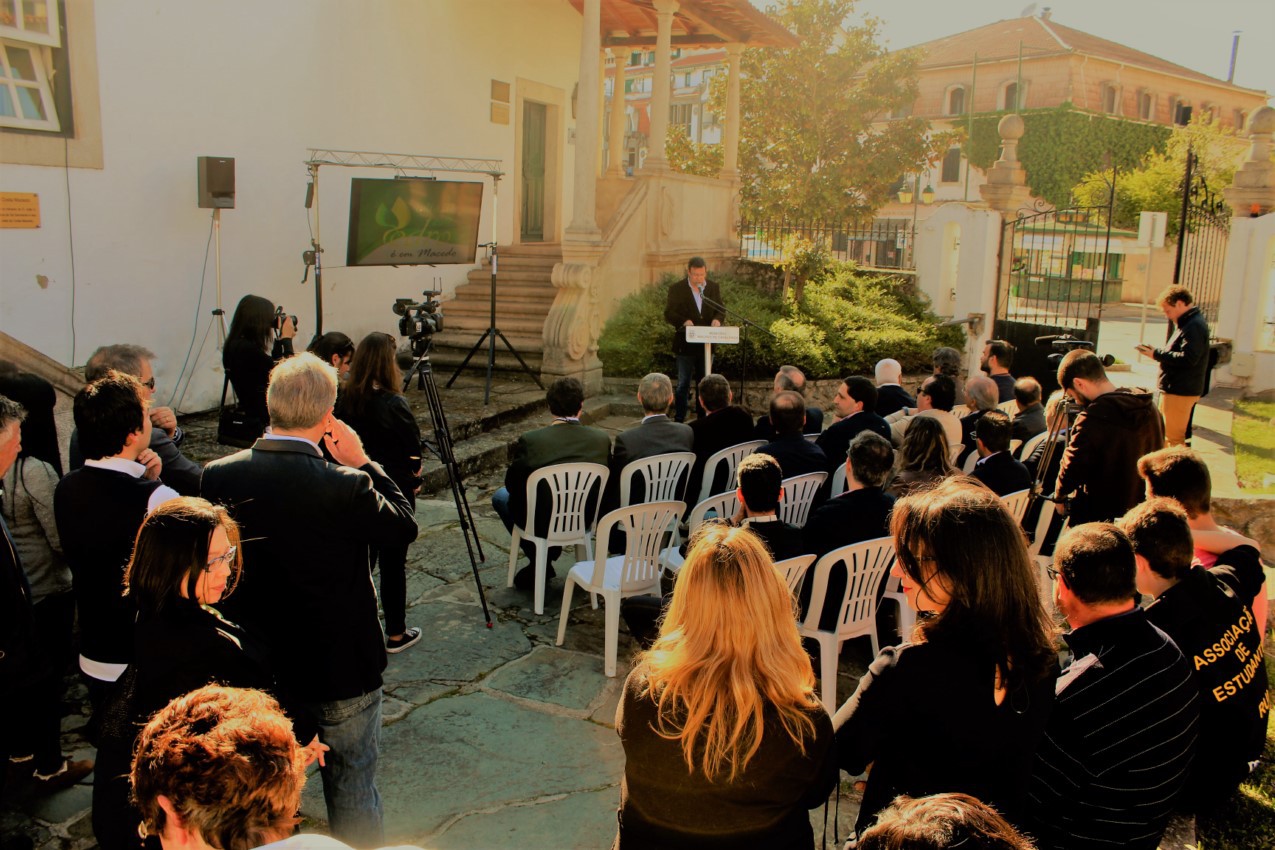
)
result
[(1099, 470)]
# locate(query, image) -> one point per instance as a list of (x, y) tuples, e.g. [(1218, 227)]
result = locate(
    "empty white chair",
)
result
[(634, 573), (794, 570), (663, 476), (866, 566), (722, 506), (1016, 503), (730, 458), (1026, 449), (799, 495), (839, 480), (570, 515)]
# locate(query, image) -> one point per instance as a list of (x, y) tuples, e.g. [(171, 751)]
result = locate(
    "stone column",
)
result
[(619, 117), (584, 196), (655, 157), (730, 133), (602, 108), (1252, 191)]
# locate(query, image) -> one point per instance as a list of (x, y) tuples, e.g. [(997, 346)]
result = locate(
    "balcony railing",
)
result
[(877, 244)]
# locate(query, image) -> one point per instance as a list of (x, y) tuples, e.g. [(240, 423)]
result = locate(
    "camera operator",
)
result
[(249, 355), (1115, 428)]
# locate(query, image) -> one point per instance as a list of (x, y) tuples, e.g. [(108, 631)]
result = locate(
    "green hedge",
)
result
[(847, 320)]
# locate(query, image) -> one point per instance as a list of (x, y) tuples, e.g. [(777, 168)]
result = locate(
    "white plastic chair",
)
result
[(799, 495), (634, 573), (866, 565), (1014, 446), (1026, 449), (954, 452), (570, 519), (970, 463), (839, 480), (664, 477), (1047, 511), (794, 570), (810, 438), (907, 617), (723, 506), (1016, 503), (730, 457)]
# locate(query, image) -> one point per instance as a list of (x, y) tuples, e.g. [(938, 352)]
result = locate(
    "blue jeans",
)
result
[(689, 367), (352, 728)]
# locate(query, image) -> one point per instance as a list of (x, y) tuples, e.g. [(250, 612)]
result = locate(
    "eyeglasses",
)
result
[(1052, 573), (150, 385), (228, 559)]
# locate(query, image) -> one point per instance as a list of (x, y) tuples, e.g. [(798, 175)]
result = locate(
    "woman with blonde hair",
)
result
[(725, 741), (924, 458)]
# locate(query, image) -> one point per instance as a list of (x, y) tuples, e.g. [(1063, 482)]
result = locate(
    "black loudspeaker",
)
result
[(217, 182)]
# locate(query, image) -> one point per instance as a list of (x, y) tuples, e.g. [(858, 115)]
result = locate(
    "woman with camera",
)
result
[(249, 355), (961, 707), (725, 742), (373, 405), (186, 560)]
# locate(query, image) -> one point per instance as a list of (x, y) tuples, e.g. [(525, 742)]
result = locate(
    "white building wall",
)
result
[(119, 253), (956, 251), (1247, 313)]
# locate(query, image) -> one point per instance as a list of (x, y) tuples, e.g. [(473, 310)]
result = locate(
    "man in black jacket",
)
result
[(792, 379), (891, 396), (855, 405), (306, 526), (796, 454), (691, 302), (1030, 418), (724, 424), (1184, 361), (996, 467)]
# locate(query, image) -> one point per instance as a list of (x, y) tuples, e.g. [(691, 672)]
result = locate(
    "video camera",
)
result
[(280, 317), (1063, 344), (419, 319)]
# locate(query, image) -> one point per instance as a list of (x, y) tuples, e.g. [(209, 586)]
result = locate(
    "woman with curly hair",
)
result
[(962, 707), (725, 741), (924, 459)]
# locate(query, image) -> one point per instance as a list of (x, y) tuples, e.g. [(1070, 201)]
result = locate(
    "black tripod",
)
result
[(444, 448), (489, 337)]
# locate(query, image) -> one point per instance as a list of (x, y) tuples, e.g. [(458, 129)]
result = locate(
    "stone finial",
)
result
[(1252, 191), (1006, 187)]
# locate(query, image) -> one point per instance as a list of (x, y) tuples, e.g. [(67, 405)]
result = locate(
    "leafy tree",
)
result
[(809, 147), (690, 158)]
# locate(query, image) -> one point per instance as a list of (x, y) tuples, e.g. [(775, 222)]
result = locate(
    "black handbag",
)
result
[(235, 427)]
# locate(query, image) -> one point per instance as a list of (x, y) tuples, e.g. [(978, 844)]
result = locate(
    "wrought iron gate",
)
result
[(1056, 271), (1205, 230)]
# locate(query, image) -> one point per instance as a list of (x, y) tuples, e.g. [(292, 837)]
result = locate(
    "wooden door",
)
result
[(533, 172)]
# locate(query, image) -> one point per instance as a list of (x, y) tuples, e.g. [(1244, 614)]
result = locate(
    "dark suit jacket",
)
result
[(765, 431), (1002, 474), (796, 455), (681, 306), (836, 440), (1028, 423), (656, 436), (781, 538), (852, 517), (892, 398), (713, 432), (1004, 387), (968, 437), (307, 590), (564, 442)]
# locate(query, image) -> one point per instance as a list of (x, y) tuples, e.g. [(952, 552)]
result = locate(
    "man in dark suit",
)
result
[(691, 302), (307, 525), (861, 513), (760, 488), (998, 357), (855, 405), (796, 455), (564, 441), (724, 425), (655, 435), (980, 395), (790, 379), (891, 397), (1030, 419), (996, 467)]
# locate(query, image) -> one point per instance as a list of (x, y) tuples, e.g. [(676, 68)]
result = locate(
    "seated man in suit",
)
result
[(655, 435), (980, 395), (935, 400), (1030, 418), (996, 467), (796, 454), (998, 356), (891, 396), (855, 404), (790, 379), (861, 513), (563, 441), (760, 490), (724, 424)]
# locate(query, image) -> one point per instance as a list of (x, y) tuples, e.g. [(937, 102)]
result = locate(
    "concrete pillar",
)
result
[(1252, 191), (588, 128), (730, 133), (655, 157), (619, 116), (602, 107)]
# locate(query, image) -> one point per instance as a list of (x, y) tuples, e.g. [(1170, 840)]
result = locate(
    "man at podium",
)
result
[(693, 301)]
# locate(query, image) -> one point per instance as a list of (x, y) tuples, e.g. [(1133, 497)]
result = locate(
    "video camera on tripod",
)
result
[(1063, 344), (419, 319)]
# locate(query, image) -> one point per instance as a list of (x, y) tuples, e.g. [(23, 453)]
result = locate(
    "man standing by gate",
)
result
[(1184, 361)]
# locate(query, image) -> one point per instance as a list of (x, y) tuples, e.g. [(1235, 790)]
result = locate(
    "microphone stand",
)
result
[(746, 323)]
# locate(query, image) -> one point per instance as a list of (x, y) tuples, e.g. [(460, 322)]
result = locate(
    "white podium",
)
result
[(712, 336)]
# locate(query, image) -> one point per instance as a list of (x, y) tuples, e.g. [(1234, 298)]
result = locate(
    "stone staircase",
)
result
[(524, 294)]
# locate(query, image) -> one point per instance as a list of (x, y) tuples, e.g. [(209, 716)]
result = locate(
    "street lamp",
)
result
[(914, 195)]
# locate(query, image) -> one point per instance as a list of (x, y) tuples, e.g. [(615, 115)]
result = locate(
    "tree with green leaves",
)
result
[(813, 141)]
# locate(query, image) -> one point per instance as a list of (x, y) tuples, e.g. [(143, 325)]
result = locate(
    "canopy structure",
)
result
[(696, 23)]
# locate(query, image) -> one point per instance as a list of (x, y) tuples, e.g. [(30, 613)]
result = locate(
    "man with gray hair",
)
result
[(981, 395), (790, 379), (891, 397), (306, 526), (177, 471), (656, 434)]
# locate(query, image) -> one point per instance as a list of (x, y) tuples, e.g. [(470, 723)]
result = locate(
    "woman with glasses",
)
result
[(924, 459), (186, 559), (725, 742), (373, 405), (962, 706)]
